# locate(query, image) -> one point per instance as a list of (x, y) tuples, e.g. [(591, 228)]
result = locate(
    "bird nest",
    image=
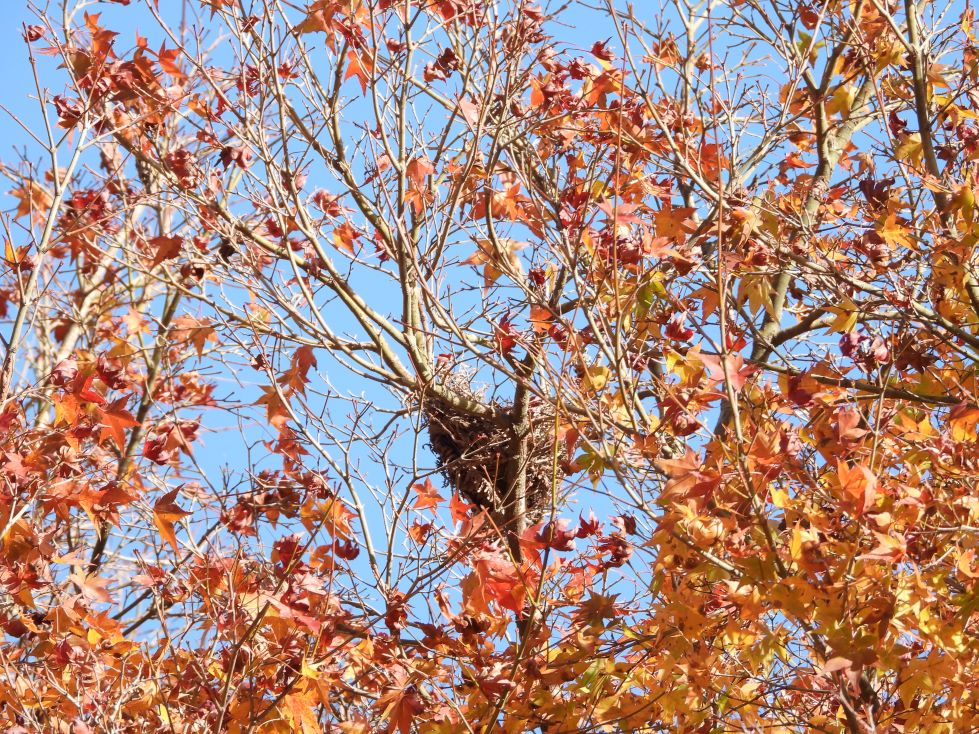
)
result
[(477, 454)]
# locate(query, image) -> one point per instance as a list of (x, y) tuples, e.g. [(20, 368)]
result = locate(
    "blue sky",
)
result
[(18, 82)]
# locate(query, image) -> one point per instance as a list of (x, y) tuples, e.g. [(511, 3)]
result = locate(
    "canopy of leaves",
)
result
[(485, 366)]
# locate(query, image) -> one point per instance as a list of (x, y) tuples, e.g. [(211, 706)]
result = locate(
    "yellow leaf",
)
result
[(893, 232), (963, 421), (846, 317), (757, 291), (842, 101), (595, 378), (909, 149), (795, 545)]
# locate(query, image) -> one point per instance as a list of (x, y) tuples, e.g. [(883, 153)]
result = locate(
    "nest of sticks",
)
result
[(477, 455)]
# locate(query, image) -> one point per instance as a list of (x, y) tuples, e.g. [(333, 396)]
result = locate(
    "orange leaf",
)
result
[(275, 410), (33, 199), (962, 422), (400, 707), (196, 331), (889, 548), (859, 484), (165, 513), (674, 224), (344, 237), (497, 258), (115, 421), (165, 248), (418, 169), (360, 68), (297, 376), (540, 318), (428, 496), (93, 588)]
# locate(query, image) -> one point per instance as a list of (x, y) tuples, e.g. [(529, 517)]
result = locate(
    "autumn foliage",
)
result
[(493, 367)]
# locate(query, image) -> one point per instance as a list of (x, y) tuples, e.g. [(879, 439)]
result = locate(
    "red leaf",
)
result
[(459, 509)]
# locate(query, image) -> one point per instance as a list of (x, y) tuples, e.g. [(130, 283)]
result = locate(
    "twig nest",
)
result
[(477, 455)]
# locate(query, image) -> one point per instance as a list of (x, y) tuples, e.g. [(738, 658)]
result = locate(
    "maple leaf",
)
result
[(894, 232), (300, 711), (889, 548), (540, 318), (732, 370), (840, 665), (83, 389), (360, 67), (674, 224), (848, 428), (428, 496), (459, 509), (909, 148), (858, 484), (165, 248), (237, 154), (419, 531), (17, 258), (847, 313), (115, 419), (196, 331), (217, 5), (400, 705), (331, 514), (134, 322), (13, 466), (495, 578), (66, 409), (357, 725), (166, 440), (92, 587), (962, 422), (595, 377), (418, 170), (686, 477), (618, 213), (32, 199), (276, 410), (497, 257), (297, 376), (556, 535), (506, 336), (345, 237), (165, 513), (167, 58), (470, 111), (597, 608), (587, 528)]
